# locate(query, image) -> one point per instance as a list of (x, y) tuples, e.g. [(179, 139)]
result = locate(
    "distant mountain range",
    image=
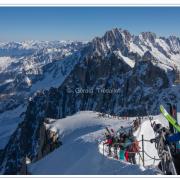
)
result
[(23, 64)]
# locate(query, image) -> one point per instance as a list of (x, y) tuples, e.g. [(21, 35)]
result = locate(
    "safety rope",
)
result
[(130, 152), (151, 157)]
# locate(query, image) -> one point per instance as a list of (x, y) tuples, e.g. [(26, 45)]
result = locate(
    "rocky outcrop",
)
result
[(30, 140), (48, 141)]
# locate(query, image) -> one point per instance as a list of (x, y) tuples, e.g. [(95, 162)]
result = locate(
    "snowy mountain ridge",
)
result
[(18, 74), (165, 50), (32, 45)]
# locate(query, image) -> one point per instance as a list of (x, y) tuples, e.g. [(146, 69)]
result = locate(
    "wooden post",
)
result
[(143, 149)]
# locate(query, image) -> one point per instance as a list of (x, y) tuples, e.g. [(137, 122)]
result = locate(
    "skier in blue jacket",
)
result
[(173, 138)]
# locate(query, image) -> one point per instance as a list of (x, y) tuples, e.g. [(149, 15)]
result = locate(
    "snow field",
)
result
[(81, 153)]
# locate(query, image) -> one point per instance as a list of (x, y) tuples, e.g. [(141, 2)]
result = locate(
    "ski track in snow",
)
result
[(81, 152)]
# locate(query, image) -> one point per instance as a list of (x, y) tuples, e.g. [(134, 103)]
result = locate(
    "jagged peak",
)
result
[(118, 34), (148, 36), (173, 37), (114, 33), (113, 39)]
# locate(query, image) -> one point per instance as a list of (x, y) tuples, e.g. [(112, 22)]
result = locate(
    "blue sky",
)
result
[(84, 23)]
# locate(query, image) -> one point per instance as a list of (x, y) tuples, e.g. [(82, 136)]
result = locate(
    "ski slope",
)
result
[(81, 154)]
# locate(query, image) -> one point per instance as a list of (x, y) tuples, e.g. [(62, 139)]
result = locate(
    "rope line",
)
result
[(151, 156), (130, 152)]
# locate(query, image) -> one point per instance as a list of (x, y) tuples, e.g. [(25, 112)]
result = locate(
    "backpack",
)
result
[(109, 141)]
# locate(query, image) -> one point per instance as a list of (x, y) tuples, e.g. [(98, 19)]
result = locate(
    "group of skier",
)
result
[(122, 145)]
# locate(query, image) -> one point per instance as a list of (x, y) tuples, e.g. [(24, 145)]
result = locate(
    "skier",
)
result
[(173, 137), (173, 140), (115, 145), (124, 143), (109, 143), (133, 149), (176, 156), (121, 130), (112, 132), (135, 124), (156, 127), (127, 154), (121, 147)]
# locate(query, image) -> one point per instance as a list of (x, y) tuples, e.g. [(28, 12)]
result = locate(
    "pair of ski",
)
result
[(110, 132), (171, 120)]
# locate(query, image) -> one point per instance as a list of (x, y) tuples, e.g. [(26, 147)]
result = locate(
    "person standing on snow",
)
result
[(173, 138), (124, 143), (109, 143), (121, 146), (133, 149), (114, 143)]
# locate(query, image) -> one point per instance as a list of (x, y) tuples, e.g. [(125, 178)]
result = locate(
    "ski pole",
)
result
[(140, 157), (103, 149)]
